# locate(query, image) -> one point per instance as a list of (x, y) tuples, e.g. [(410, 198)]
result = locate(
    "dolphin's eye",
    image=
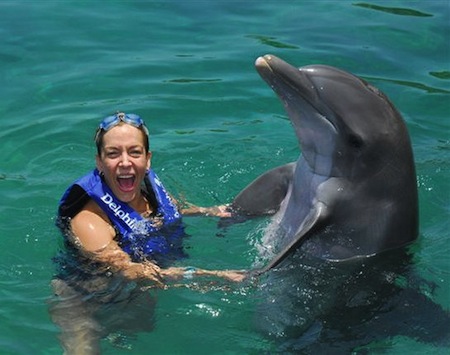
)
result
[(355, 141)]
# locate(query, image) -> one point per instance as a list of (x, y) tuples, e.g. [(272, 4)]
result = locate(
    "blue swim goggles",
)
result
[(112, 121)]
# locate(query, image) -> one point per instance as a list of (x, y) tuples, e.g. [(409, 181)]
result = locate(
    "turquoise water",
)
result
[(187, 68)]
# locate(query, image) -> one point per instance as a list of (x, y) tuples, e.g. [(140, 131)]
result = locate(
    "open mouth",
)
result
[(126, 182)]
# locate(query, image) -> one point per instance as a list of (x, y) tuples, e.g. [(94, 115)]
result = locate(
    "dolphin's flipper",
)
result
[(314, 218), (264, 195)]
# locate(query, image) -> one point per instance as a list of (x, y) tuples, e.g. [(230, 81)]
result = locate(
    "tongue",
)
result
[(126, 183)]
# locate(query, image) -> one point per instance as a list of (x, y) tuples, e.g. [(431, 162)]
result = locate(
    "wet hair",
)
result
[(99, 139)]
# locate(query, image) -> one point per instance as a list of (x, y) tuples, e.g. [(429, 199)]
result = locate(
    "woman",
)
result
[(120, 225)]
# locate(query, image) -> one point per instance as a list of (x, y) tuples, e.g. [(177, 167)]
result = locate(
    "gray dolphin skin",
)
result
[(352, 192)]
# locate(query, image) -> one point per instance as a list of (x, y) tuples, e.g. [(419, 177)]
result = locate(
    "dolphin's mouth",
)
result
[(315, 130), (293, 84)]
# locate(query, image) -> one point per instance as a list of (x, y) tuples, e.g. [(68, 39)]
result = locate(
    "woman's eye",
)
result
[(112, 155), (136, 153)]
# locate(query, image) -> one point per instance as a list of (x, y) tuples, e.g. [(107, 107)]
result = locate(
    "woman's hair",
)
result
[(99, 139)]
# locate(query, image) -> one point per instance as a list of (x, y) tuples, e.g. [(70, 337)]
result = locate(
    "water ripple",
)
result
[(394, 10)]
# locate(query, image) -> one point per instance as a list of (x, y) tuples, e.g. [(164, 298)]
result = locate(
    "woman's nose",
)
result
[(125, 161)]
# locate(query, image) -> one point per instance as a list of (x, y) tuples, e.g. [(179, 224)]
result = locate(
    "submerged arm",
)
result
[(94, 237), (118, 261), (214, 211), (189, 209)]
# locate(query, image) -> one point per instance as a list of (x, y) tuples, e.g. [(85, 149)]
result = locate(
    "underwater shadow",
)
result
[(311, 306)]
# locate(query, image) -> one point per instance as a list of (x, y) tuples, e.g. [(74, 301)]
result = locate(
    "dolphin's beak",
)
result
[(315, 132), (262, 64)]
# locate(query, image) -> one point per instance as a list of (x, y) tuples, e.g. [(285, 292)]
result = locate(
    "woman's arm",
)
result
[(118, 261), (94, 236), (189, 209), (191, 272), (214, 211)]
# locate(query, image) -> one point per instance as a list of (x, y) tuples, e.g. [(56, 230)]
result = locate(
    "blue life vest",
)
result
[(138, 236)]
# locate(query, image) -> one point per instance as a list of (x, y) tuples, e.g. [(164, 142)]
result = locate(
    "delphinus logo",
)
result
[(118, 211)]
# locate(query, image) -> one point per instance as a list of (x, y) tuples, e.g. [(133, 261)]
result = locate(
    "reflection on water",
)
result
[(394, 10)]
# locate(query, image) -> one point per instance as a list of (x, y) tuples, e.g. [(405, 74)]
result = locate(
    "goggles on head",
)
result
[(112, 121)]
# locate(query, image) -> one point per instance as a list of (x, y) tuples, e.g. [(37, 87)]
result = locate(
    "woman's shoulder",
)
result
[(92, 208), (89, 222)]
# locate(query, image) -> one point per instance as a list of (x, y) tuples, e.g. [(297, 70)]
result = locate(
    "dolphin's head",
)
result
[(345, 126)]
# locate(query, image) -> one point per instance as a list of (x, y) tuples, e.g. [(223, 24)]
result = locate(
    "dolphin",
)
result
[(341, 216), (352, 193)]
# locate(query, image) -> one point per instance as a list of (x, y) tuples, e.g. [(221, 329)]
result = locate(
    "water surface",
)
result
[(187, 68)]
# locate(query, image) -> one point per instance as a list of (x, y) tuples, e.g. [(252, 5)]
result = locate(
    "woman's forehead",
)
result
[(122, 134)]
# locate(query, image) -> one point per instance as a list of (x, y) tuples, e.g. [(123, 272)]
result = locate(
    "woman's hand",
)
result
[(221, 211), (233, 275)]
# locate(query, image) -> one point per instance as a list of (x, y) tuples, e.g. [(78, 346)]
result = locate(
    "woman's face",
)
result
[(123, 161)]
